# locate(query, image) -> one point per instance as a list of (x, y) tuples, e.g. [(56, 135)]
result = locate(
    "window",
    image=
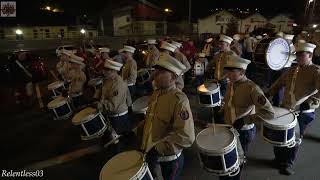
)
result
[(47, 33), (221, 29), (35, 34), (2, 36)]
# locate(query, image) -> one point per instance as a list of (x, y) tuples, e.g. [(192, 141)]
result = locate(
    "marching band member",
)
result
[(302, 85), (153, 53), (78, 80), (200, 66), (63, 66), (208, 48), (168, 127), (129, 70), (218, 61), (243, 97), (235, 45)]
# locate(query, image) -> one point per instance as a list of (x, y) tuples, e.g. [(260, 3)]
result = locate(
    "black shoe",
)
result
[(275, 164), (287, 171)]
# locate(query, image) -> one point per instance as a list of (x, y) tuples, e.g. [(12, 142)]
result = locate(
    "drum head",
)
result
[(123, 166), (210, 141), (207, 88), (55, 85), (141, 104), (278, 53), (59, 101), (84, 115), (284, 119), (94, 82)]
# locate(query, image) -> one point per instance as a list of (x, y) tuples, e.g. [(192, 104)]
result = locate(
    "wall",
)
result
[(213, 23), (282, 23), (252, 22)]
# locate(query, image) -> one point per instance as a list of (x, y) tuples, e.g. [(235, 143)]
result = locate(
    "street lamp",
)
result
[(315, 25), (82, 31), (19, 32), (48, 8)]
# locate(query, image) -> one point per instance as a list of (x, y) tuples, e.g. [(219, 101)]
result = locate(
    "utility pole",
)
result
[(189, 19)]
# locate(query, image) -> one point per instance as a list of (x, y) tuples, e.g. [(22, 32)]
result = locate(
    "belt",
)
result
[(169, 158), (131, 84), (247, 126), (308, 111), (117, 115)]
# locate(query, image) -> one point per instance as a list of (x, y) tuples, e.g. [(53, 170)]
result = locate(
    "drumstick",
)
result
[(291, 112), (213, 125)]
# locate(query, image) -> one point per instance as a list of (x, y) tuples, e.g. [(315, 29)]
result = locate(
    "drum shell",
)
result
[(210, 99), (220, 162), (260, 52), (62, 111), (279, 135)]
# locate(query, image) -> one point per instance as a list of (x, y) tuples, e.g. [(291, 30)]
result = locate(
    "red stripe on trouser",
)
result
[(175, 170)]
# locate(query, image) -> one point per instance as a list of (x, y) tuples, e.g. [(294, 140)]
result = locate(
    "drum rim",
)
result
[(226, 149), (281, 127), (214, 91), (62, 101), (64, 117), (143, 110), (95, 135), (55, 85), (105, 165), (228, 171), (84, 119)]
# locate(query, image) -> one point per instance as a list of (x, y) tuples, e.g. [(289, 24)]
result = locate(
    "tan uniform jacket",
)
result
[(217, 63), (78, 79), (129, 71), (183, 59), (114, 96), (63, 69), (307, 84), (152, 57), (172, 119), (247, 98)]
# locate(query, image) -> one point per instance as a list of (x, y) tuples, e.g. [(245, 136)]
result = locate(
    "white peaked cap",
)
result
[(168, 46), (177, 44), (226, 39), (209, 40), (128, 49), (288, 37), (237, 62), (104, 49), (305, 47), (279, 34), (301, 41), (152, 41), (76, 59), (65, 52), (259, 37), (110, 64), (170, 63), (236, 37), (202, 55)]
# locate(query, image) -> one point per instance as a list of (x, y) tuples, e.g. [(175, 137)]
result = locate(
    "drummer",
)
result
[(113, 100), (63, 66), (183, 59), (129, 70), (168, 121), (218, 61), (301, 85), (78, 79), (153, 53), (243, 97)]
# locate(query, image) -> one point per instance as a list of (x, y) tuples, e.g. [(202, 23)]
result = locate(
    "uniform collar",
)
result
[(243, 79), (164, 91), (306, 65)]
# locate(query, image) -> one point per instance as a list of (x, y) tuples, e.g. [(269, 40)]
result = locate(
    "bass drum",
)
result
[(272, 53)]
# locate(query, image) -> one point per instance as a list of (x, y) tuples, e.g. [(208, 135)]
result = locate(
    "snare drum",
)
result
[(140, 106), (56, 88), (92, 124), (209, 94), (143, 76), (128, 165), (280, 131), (60, 108), (218, 151)]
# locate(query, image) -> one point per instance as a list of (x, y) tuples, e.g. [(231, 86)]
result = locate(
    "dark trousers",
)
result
[(78, 102), (198, 81), (132, 90), (120, 124), (285, 156), (246, 138), (223, 86), (171, 170)]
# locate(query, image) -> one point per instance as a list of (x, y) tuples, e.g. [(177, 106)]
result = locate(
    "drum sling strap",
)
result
[(24, 69), (230, 104), (217, 71)]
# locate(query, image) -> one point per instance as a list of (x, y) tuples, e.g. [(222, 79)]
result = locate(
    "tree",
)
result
[(232, 27)]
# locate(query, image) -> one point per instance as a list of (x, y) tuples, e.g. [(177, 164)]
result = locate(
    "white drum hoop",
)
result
[(62, 103), (96, 134)]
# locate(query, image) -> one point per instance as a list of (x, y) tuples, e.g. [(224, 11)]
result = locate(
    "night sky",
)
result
[(29, 9)]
